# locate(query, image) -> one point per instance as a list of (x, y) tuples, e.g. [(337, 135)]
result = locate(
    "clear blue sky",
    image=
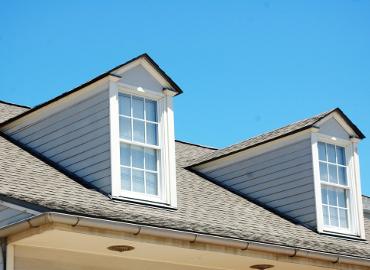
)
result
[(246, 67)]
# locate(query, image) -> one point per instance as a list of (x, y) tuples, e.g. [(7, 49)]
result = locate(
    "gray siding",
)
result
[(138, 76), (9, 215), (333, 128), (76, 138), (281, 179)]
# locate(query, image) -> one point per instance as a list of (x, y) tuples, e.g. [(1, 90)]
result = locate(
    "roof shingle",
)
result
[(8, 110)]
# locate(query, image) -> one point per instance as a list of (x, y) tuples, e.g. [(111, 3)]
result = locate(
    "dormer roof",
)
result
[(277, 134)]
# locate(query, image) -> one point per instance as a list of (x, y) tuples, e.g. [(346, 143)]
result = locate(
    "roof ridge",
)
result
[(198, 145), (13, 104)]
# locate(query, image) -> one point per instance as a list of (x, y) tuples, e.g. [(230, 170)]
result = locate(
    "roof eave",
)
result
[(192, 237)]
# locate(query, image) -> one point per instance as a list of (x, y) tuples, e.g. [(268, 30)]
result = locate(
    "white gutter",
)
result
[(51, 217)]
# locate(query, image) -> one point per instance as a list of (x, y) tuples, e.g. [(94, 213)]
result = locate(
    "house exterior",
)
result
[(94, 179)]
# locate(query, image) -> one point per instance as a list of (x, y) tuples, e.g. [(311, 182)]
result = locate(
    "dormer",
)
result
[(307, 172), (142, 134), (114, 133)]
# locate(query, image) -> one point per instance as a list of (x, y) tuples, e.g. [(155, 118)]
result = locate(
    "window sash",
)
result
[(143, 193), (136, 120), (337, 225), (340, 155)]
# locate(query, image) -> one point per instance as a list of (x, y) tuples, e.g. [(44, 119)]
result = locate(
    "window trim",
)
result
[(356, 226), (165, 147)]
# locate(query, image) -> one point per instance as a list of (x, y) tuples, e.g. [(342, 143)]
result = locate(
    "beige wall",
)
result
[(31, 258)]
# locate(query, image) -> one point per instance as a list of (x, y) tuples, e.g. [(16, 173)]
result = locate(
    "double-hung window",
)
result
[(139, 147), (335, 187)]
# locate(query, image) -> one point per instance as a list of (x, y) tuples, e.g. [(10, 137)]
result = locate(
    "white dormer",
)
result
[(337, 177), (114, 133), (307, 172), (142, 135)]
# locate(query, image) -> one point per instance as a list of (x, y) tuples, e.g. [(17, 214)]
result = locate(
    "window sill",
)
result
[(144, 202), (349, 236)]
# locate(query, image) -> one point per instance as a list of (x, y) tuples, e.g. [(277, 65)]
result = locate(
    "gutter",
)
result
[(135, 229)]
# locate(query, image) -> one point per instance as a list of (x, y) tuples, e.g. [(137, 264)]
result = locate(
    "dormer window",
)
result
[(334, 186), (337, 185), (139, 162), (143, 164)]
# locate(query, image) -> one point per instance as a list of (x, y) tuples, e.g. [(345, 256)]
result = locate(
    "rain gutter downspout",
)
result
[(52, 217)]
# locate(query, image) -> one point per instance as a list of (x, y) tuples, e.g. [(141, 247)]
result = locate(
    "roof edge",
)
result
[(99, 77), (136, 229), (196, 144), (15, 105), (350, 123)]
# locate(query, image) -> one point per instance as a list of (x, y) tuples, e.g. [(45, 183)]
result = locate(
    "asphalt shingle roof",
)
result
[(203, 206), (8, 110)]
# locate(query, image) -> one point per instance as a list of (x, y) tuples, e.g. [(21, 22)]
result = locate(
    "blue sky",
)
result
[(246, 67)]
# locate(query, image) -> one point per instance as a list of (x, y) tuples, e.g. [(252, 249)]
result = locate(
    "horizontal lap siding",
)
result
[(281, 179), (10, 216), (76, 138)]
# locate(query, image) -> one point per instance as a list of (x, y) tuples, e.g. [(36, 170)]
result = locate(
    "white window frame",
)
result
[(355, 216), (166, 145)]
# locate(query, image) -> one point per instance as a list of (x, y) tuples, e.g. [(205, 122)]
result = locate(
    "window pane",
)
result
[(139, 131), (151, 131), (322, 151), (331, 153), (151, 183), (125, 105), (125, 178), (138, 107), (341, 156), (125, 128), (125, 154), (151, 110), (137, 157), (342, 176), (333, 174), (342, 198), (138, 181), (151, 159), (323, 172), (325, 211), (343, 218), (324, 195), (332, 197), (334, 219)]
